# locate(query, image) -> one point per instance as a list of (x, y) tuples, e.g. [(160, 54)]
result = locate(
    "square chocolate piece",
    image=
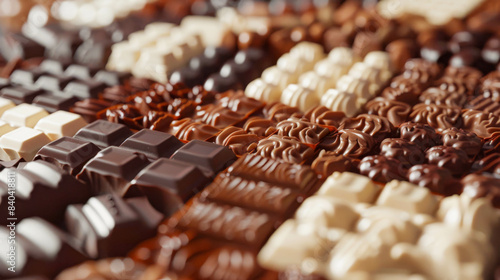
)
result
[(104, 133), (154, 144)]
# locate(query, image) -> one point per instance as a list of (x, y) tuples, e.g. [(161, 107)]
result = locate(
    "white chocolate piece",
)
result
[(341, 102), (350, 187), (316, 83), (408, 197), (330, 70), (5, 127), (361, 88), (276, 76), (362, 71), (277, 254), (263, 91), (159, 29), (23, 142), (308, 51), (297, 96), (469, 214), (293, 64), (211, 30), (60, 123), (343, 56), (5, 104), (379, 59), (141, 39), (24, 115), (123, 57), (326, 212)]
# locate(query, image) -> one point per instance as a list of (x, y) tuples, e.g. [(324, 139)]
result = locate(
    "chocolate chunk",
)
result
[(436, 116), (376, 126), (237, 101), (284, 148), (382, 169), (437, 179), (450, 158), (104, 133), (406, 152), (253, 195), (420, 134), (209, 157), (302, 131), (108, 226), (44, 248), (348, 142), (153, 144), (89, 108), (53, 82), (112, 169), (19, 94), (112, 78), (85, 89), (26, 77), (238, 140), (228, 223), (68, 153), (482, 185), (396, 112), (481, 123), (462, 140), (52, 102), (80, 72), (168, 184)]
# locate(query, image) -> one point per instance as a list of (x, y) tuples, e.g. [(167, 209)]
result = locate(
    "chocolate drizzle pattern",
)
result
[(396, 112), (481, 123), (284, 148), (406, 152), (420, 134), (302, 131), (348, 142), (485, 104), (462, 140), (438, 96), (438, 117), (323, 116), (376, 126)]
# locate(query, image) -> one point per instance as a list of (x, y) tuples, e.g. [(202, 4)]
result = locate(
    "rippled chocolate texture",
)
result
[(327, 162), (260, 126), (481, 123), (421, 70), (284, 148), (462, 140), (238, 140), (402, 90), (482, 185), (348, 142), (438, 117), (302, 131), (420, 134), (376, 126), (485, 104), (322, 116), (396, 112), (405, 151), (438, 96), (450, 158), (437, 179), (490, 164), (382, 169)]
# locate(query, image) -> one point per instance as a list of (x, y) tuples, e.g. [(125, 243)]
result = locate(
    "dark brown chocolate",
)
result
[(437, 179), (450, 158), (104, 134), (382, 169), (420, 134)]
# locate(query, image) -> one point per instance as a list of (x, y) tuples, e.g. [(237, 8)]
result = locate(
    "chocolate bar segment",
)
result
[(153, 144), (104, 133)]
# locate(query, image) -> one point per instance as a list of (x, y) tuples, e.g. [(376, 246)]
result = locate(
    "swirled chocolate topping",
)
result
[(286, 149), (395, 111), (481, 123), (348, 142), (450, 158), (327, 162), (237, 139), (462, 140), (420, 134), (302, 131), (323, 116), (438, 117), (376, 126), (406, 152), (437, 179), (438, 96), (382, 169)]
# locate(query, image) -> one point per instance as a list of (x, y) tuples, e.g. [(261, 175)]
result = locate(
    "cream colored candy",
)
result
[(349, 187), (141, 39), (316, 83), (292, 64), (308, 51), (469, 214), (464, 255), (158, 65), (341, 102), (356, 252), (326, 212), (362, 88), (159, 29), (5, 127), (408, 197), (373, 214), (24, 115), (277, 254), (379, 59), (60, 123), (211, 30), (281, 78), (362, 71), (297, 96), (23, 142), (123, 57), (5, 104), (263, 91), (343, 56), (330, 70)]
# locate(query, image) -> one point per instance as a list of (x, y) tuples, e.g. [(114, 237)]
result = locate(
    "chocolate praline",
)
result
[(482, 185), (462, 140), (396, 112), (438, 117), (450, 158), (382, 169), (405, 151), (435, 178), (403, 90), (420, 134), (348, 142), (376, 126)]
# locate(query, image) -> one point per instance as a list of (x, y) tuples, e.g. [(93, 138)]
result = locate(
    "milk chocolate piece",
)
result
[(187, 130), (450, 158), (376, 126), (209, 157), (437, 179), (218, 116), (227, 222), (442, 97), (462, 140), (112, 169), (279, 112), (238, 140), (46, 250), (420, 134), (104, 133), (327, 163), (402, 90), (382, 169), (323, 116), (68, 153), (485, 104), (421, 70), (438, 117), (396, 112), (482, 185), (284, 148), (52, 101), (302, 131), (108, 226), (153, 144), (348, 142), (258, 168), (406, 152), (88, 108), (481, 123), (254, 195)]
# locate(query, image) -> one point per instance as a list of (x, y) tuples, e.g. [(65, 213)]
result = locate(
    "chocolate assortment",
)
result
[(249, 140)]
